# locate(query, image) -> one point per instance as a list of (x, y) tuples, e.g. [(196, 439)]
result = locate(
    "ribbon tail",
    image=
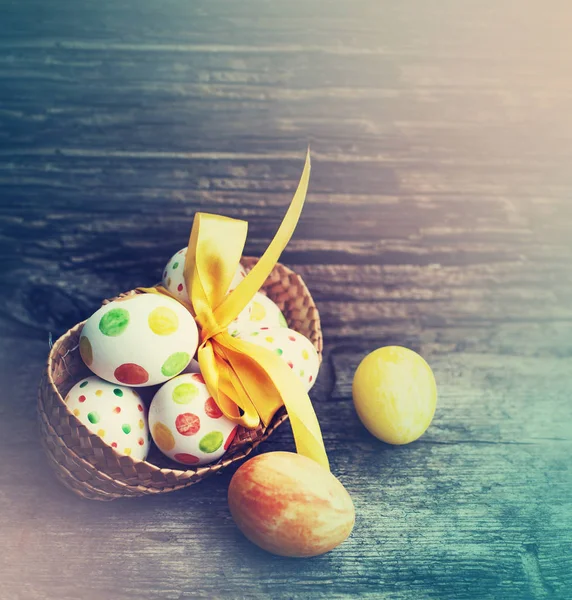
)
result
[(236, 301), (286, 389)]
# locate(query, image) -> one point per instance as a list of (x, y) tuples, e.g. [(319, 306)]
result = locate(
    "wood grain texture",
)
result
[(438, 217)]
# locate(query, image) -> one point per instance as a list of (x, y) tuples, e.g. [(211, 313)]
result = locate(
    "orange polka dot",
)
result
[(76, 412), (305, 354), (269, 339), (127, 451), (163, 437), (163, 321), (98, 392), (141, 424), (101, 433)]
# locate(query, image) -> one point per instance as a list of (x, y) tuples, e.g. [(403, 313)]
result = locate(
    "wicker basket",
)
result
[(92, 469)]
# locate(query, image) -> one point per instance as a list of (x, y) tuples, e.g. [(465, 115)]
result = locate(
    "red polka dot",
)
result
[(131, 374), (140, 441), (310, 378), (264, 328), (198, 377), (291, 338), (180, 287), (82, 398), (291, 365), (212, 410), (187, 459), (114, 444), (139, 408), (117, 410), (181, 251), (230, 438), (187, 424)]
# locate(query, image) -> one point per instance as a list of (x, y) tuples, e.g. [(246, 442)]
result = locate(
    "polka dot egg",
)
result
[(114, 413), (266, 313), (297, 351), (141, 340), (186, 424), (173, 280)]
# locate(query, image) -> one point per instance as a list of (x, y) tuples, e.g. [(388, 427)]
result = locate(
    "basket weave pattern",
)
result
[(92, 469)]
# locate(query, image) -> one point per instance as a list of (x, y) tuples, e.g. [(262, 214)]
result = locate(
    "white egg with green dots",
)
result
[(186, 424), (142, 340), (174, 281), (113, 412), (296, 350)]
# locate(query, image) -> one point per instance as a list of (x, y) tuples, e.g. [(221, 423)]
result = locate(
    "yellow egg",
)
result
[(395, 394)]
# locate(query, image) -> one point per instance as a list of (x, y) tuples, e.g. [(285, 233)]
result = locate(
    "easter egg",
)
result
[(264, 312), (141, 340), (395, 394), (294, 349), (186, 424), (114, 413), (173, 280), (290, 505)]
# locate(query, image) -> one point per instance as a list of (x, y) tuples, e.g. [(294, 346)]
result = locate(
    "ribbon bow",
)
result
[(248, 383)]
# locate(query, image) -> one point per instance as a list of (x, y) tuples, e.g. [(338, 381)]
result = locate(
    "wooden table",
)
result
[(439, 218)]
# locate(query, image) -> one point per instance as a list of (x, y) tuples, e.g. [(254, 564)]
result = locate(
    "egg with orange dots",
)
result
[(139, 340), (395, 394), (186, 424), (290, 505)]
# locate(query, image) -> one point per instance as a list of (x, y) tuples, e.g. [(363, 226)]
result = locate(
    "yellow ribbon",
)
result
[(248, 383)]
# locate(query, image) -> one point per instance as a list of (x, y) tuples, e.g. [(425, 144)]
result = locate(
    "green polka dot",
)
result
[(185, 393), (118, 392), (114, 322), (234, 333), (279, 351), (83, 384), (175, 364), (93, 417), (282, 320), (211, 442), (302, 373), (255, 333), (175, 265), (126, 428)]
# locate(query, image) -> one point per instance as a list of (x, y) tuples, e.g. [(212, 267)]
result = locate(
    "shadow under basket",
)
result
[(84, 463)]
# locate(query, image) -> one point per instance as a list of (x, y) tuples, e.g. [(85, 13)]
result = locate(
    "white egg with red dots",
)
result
[(296, 350), (141, 340), (174, 281), (114, 413), (186, 424)]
